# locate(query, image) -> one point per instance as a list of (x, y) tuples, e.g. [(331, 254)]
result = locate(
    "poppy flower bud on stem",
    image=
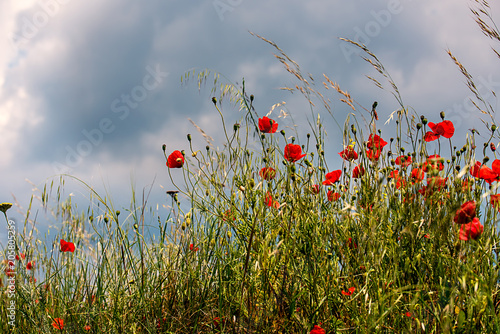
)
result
[(486, 159), (419, 126), (442, 115), (236, 126), (208, 147), (214, 100), (164, 147), (492, 147), (493, 128), (424, 121), (353, 129), (251, 98), (189, 137), (282, 132)]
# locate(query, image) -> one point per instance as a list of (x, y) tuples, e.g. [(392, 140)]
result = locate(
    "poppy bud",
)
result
[(492, 147), (236, 126), (393, 162), (207, 147), (457, 153), (293, 169), (251, 183), (493, 127), (189, 137), (353, 129), (164, 147), (453, 158), (229, 234), (419, 126), (485, 160), (183, 226), (251, 98), (308, 135), (136, 227), (457, 168), (214, 100), (117, 212), (293, 140), (424, 121), (262, 136), (422, 117), (194, 154), (402, 149), (282, 132), (106, 219), (442, 115)]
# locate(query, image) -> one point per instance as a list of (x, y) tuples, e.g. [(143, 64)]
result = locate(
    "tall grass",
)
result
[(274, 242)]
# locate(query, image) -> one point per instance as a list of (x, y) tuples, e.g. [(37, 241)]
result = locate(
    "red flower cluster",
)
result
[(175, 160), (444, 128), (267, 125), (471, 227), (293, 153), (403, 161), (374, 144), (192, 248)]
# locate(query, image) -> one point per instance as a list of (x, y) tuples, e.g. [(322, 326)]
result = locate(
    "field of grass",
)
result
[(394, 239)]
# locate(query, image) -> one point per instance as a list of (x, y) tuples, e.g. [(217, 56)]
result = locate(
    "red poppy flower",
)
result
[(403, 161), (30, 265), (495, 201), (373, 155), (267, 125), (333, 196), (317, 330), (58, 323), (349, 154), (349, 292), (375, 141), (430, 136), (471, 230), (358, 172), (67, 246), (267, 173), (466, 213), (87, 327), (192, 248), (293, 152), (433, 162), (444, 128), (175, 160), (21, 255), (495, 166), (483, 172), (332, 177), (417, 175)]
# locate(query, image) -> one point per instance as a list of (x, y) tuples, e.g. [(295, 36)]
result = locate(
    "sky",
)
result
[(93, 88)]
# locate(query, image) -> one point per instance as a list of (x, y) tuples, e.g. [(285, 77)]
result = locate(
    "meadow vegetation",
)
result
[(266, 236)]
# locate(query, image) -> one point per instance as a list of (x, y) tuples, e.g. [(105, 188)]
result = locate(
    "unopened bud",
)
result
[(214, 100), (442, 115), (189, 137), (419, 126), (492, 147), (493, 128), (163, 147), (251, 98)]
